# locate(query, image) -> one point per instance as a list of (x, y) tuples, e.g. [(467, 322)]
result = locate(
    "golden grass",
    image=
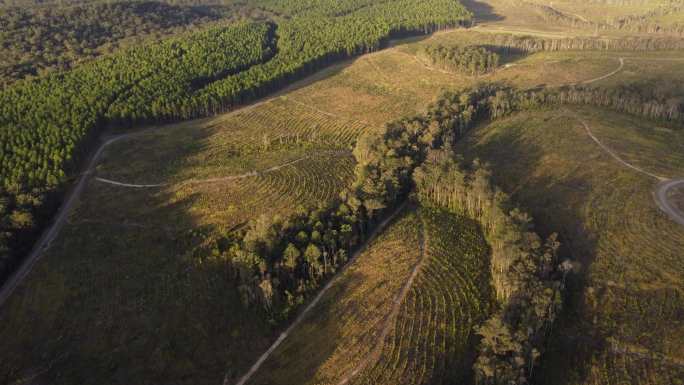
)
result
[(631, 252), (131, 288), (344, 327), (429, 341)]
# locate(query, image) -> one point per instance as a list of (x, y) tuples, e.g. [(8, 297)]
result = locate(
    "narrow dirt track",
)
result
[(205, 181), (615, 155), (662, 199), (620, 67), (58, 222), (243, 380), (661, 194), (390, 320)]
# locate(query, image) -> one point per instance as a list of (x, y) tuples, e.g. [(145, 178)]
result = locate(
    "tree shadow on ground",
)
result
[(556, 205), (483, 12)]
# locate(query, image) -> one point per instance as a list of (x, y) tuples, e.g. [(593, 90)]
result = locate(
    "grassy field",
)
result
[(631, 293), (430, 339), (526, 15), (433, 341), (133, 289)]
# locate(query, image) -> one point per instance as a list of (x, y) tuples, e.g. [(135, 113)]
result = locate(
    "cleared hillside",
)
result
[(626, 320), (138, 284), (402, 313)]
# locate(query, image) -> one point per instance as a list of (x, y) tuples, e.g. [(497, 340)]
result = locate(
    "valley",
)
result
[(139, 275)]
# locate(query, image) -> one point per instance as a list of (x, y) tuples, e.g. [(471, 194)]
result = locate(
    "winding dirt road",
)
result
[(58, 222), (662, 199), (661, 194), (243, 380)]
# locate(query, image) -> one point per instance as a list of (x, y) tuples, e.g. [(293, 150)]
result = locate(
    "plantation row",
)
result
[(46, 125), (290, 122), (433, 339), (298, 252), (525, 271), (513, 44), (633, 23), (468, 60)]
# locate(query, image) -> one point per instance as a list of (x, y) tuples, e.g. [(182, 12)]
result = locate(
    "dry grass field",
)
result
[(355, 337), (631, 253), (133, 288)]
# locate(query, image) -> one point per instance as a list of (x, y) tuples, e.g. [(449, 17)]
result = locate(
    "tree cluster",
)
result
[(525, 270), (47, 124), (471, 60)]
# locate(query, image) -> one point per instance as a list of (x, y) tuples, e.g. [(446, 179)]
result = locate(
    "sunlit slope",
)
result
[(378, 325), (626, 324)]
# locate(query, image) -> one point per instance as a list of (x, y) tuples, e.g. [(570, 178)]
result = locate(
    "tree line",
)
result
[(47, 124), (526, 273), (470, 60), (507, 43), (277, 262), (642, 23), (624, 98)]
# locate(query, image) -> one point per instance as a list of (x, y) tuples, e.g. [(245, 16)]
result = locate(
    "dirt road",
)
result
[(662, 199), (661, 194), (205, 181), (243, 380), (58, 221)]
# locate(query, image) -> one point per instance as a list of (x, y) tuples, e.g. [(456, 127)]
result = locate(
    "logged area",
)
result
[(337, 192), (403, 312), (631, 252)]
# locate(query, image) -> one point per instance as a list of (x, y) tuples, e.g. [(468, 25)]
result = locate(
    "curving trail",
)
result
[(115, 183), (661, 194), (243, 380), (615, 155), (662, 199), (58, 222), (390, 320), (622, 65), (204, 181)]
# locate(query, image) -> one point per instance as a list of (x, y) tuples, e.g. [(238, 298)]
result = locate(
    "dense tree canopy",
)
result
[(47, 124), (35, 40), (468, 60)]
